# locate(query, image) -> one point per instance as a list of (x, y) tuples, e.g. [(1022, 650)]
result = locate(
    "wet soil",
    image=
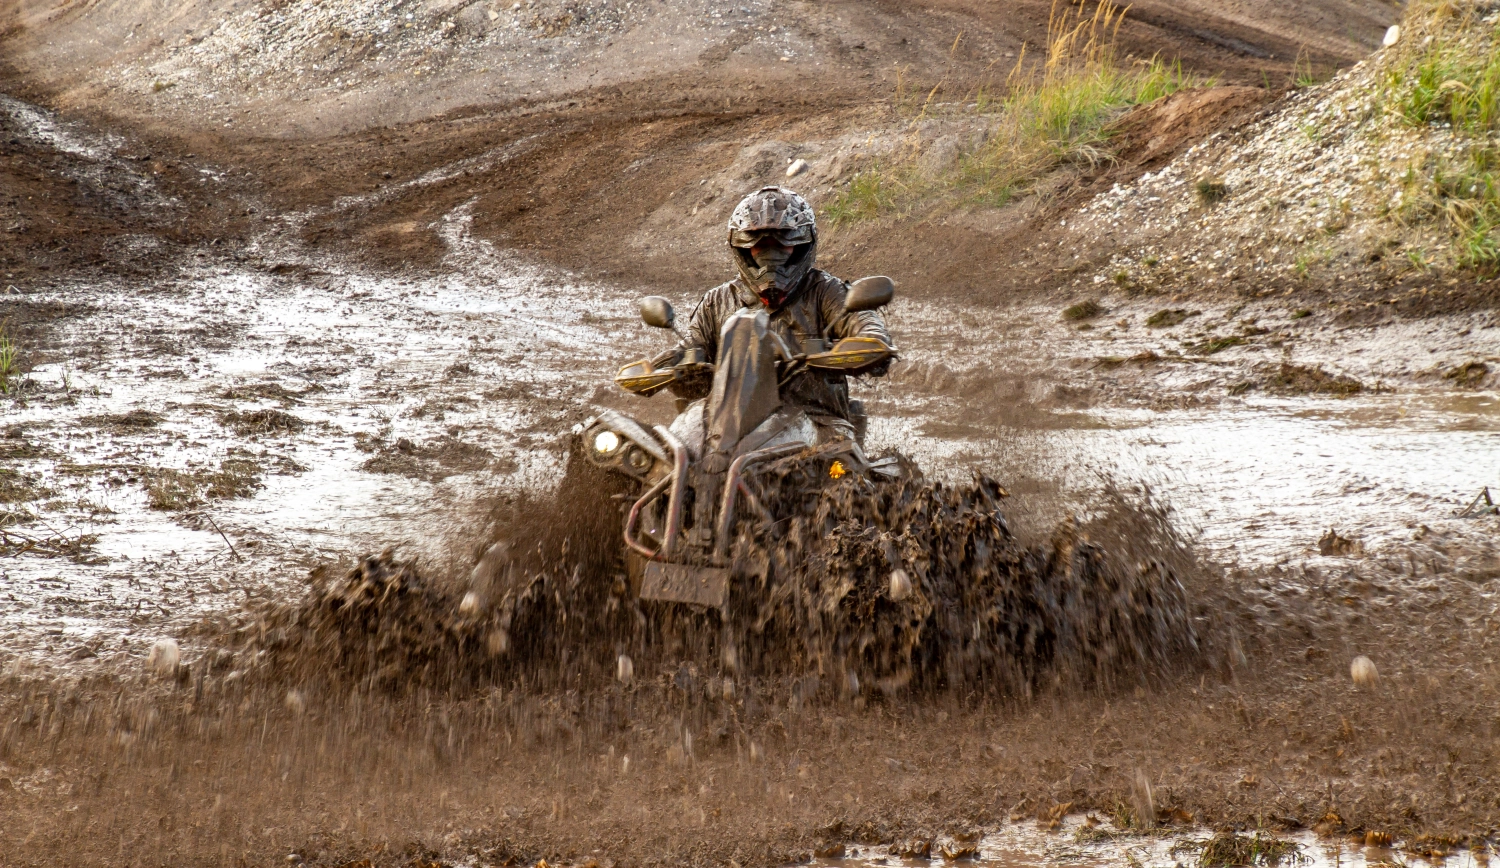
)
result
[(275, 350)]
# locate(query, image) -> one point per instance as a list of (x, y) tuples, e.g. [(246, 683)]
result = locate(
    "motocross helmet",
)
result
[(774, 238)]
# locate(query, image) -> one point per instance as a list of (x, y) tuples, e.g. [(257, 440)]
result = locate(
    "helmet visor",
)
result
[(747, 238)]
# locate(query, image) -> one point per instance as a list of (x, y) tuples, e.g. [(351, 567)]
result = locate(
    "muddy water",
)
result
[(457, 383), (1023, 394), (1077, 841), (412, 398), (1264, 479)]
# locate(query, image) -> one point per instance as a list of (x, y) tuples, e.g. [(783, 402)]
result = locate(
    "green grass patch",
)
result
[(1467, 196), (1054, 111), (871, 192), (9, 362), (1447, 72), (1453, 77)]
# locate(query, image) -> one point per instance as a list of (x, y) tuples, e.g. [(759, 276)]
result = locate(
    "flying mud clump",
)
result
[(840, 586)]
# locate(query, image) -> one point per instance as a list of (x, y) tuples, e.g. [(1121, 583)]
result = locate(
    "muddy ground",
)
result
[(261, 335)]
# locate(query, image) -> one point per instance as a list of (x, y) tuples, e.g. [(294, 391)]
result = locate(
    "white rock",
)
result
[(624, 669), (296, 703), (1363, 671), (469, 605), (1392, 35), (164, 657), (797, 167), (900, 585)]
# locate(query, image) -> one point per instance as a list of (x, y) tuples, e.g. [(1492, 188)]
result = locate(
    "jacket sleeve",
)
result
[(708, 319), (865, 323)]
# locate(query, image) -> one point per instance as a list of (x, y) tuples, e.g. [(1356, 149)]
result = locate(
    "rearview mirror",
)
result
[(869, 293), (657, 312)]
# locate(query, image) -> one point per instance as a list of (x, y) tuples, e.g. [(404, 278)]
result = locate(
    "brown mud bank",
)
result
[(603, 136), (207, 766)]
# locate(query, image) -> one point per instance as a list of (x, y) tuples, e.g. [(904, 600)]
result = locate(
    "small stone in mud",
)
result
[(1363, 671), (296, 703), (624, 669), (164, 657), (900, 585), (498, 642), (469, 605)]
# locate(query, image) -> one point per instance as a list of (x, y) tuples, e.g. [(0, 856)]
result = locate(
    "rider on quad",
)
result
[(773, 237), (761, 374)]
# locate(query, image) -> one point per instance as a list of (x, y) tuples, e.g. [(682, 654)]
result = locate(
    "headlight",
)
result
[(606, 442)]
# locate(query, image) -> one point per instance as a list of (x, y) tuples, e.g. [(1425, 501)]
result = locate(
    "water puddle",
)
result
[(1080, 841)]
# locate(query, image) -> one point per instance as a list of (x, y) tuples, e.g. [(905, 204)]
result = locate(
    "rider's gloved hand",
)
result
[(667, 359)]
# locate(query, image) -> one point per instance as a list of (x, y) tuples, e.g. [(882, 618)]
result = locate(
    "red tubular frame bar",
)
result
[(732, 486), (677, 480)]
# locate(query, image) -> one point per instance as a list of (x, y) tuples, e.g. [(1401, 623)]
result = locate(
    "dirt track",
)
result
[(426, 274)]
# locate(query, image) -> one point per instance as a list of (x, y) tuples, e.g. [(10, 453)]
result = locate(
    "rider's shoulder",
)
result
[(824, 282), (727, 288)]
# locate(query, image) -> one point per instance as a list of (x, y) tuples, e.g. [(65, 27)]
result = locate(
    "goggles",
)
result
[(785, 237)]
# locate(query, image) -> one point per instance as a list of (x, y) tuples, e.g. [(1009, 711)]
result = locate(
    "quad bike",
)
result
[(687, 483)]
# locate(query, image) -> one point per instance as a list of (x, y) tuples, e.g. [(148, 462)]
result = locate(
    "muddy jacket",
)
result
[(813, 308)]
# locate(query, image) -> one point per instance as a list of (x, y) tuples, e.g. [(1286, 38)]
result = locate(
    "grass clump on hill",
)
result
[(1449, 76), (1052, 113)]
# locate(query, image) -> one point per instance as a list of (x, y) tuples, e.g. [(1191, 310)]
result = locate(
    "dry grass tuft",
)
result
[(176, 490), (1053, 113), (1211, 191), (263, 422), (1086, 309), (1229, 850)]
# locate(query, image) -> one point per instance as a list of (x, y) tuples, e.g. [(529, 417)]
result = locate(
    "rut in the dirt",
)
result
[(812, 604)]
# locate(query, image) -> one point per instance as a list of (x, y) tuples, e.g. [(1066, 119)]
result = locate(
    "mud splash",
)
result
[(814, 608)]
